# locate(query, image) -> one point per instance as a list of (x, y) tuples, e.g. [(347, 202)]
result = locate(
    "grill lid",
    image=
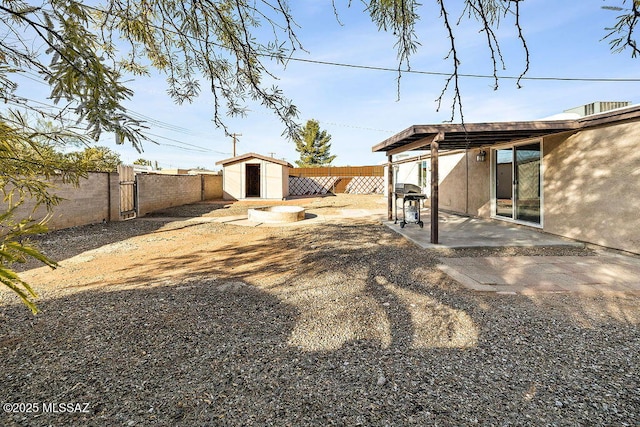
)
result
[(407, 188)]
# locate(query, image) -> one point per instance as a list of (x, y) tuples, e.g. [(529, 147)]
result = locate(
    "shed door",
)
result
[(253, 180)]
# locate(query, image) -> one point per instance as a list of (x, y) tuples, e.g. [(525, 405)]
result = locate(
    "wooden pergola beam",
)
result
[(390, 187), (415, 145), (435, 142)]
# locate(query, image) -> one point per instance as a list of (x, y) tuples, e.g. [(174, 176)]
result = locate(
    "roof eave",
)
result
[(255, 156), (477, 134), (516, 130)]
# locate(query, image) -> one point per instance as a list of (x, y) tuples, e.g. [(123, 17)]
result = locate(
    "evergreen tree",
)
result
[(142, 162), (313, 146), (97, 159)]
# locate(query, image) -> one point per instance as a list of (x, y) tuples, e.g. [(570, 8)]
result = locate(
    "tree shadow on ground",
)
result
[(194, 209), (327, 324), (217, 352), (69, 242)]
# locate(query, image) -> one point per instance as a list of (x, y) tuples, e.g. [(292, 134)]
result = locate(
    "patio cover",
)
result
[(451, 136), (476, 135), (470, 135)]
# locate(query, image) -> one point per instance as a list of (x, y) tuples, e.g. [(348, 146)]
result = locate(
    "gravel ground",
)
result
[(340, 323)]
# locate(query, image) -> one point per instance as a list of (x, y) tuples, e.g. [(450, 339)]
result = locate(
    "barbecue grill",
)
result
[(411, 196)]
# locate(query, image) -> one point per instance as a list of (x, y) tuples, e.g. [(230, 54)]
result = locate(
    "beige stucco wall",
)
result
[(274, 180), (453, 182), (97, 197), (454, 195), (479, 185), (592, 186)]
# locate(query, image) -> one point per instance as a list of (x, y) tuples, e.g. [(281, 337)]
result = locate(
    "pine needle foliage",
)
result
[(28, 165), (313, 145)]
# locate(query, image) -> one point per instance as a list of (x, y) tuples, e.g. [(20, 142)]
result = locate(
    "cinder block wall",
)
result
[(114, 194), (94, 200), (97, 197), (211, 187), (157, 192)]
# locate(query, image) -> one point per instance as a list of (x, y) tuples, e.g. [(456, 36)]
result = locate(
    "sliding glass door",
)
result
[(504, 182), (527, 188), (517, 181)]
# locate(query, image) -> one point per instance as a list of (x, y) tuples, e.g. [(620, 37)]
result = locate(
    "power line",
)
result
[(334, 123), (159, 123), (197, 147), (185, 145), (135, 114), (178, 129), (480, 76), (355, 127), (396, 70)]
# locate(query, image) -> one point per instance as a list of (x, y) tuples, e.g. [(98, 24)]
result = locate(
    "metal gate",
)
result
[(127, 192)]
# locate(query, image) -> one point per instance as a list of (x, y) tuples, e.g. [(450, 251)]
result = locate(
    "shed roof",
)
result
[(247, 156), (473, 135)]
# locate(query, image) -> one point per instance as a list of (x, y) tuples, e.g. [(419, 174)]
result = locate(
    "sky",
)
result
[(360, 108)]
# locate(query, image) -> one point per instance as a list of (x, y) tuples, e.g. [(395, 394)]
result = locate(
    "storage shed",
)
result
[(252, 175)]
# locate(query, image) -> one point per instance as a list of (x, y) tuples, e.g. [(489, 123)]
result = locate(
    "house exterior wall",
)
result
[(462, 192), (453, 182), (479, 186), (408, 173), (592, 184), (453, 194), (163, 191)]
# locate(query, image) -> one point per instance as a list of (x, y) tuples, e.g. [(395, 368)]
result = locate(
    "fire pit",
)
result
[(277, 214)]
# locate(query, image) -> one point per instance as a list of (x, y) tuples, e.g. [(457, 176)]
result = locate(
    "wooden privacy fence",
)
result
[(347, 179)]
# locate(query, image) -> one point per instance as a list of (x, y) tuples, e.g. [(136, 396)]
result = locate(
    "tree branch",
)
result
[(454, 77)]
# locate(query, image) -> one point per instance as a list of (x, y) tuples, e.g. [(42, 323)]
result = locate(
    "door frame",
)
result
[(256, 173), (494, 205)]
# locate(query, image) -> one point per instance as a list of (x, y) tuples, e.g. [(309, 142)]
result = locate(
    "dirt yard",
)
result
[(177, 319)]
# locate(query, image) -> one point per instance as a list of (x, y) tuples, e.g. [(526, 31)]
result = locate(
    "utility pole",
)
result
[(235, 137)]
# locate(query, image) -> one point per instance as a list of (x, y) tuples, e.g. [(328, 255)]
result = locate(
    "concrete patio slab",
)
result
[(602, 273), (463, 232)]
